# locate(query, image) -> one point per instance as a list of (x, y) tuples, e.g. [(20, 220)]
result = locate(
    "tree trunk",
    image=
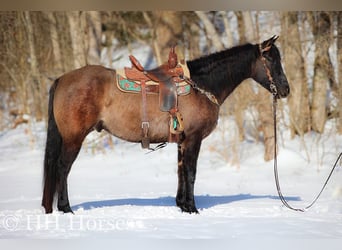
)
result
[(54, 41), (79, 43), (241, 27), (298, 99), (154, 41), (168, 33), (36, 84), (94, 37), (229, 36), (194, 41), (210, 30), (265, 115), (339, 61), (250, 33), (322, 70), (64, 40)]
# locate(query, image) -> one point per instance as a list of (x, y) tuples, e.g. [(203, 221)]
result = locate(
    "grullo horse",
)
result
[(88, 99)]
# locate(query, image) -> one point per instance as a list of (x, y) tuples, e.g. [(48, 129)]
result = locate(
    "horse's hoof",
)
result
[(65, 209), (48, 210), (47, 206), (189, 209)]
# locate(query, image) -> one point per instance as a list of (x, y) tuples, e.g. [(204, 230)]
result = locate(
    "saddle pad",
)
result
[(127, 85)]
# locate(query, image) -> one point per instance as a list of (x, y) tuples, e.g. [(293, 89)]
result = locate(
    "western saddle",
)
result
[(167, 77)]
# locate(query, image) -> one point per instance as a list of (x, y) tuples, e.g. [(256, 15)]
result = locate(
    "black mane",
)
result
[(228, 67)]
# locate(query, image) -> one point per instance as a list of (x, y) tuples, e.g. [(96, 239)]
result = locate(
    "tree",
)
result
[(323, 69), (56, 50), (210, 30), (35, 74), (64, 41), (166, 29), (191, 35), (94, 32), (14, 70), (298, 99), (229, 36), (339, 61), (77, 24)]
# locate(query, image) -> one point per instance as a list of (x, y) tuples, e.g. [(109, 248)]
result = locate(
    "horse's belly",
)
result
[(124, 117)]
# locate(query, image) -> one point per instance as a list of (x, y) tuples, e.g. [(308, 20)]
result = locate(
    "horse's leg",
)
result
[(68, 156), (187, 162)]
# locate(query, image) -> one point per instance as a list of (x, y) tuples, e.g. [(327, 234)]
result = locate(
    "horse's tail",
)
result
[(52, 152)]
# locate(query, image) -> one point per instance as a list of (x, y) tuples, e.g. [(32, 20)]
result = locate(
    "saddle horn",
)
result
[(136, 63), (173, 60)]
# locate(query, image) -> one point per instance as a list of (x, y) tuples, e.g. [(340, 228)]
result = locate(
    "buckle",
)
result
[(273, 89), (145, 124)]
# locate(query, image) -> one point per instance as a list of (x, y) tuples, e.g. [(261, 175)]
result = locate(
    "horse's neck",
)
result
[(222, 79), (236, 73)]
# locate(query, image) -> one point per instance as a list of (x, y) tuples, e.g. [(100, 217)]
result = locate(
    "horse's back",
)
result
[(90, 74)]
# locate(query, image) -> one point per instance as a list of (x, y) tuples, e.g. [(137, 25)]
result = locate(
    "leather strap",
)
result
[(145, 141)]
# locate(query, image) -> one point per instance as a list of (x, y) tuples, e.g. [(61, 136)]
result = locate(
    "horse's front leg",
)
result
[(187, 161)]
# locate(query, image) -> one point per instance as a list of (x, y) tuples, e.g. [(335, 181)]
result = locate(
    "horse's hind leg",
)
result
[(68, 156), (187, 163)]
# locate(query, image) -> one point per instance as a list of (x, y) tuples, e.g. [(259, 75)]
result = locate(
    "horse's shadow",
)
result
[(202, 201)]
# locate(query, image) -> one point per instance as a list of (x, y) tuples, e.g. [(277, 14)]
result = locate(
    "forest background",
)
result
[(37, 47)]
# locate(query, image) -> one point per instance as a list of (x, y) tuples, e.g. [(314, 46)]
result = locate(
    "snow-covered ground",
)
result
[(122, 192)]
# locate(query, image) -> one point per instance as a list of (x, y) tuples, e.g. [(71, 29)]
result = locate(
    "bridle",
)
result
[(274, 91), (193, 84), (273, 86)]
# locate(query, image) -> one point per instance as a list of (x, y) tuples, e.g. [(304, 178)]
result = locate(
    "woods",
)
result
[(37, 47)]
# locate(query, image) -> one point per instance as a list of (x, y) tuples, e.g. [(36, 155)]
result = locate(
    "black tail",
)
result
[(52, 152)]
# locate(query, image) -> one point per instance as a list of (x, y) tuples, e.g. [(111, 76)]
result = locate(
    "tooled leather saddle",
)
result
[(167, 81)]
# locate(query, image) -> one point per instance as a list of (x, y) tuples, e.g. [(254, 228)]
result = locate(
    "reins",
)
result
[(282, 198), (273, 89)]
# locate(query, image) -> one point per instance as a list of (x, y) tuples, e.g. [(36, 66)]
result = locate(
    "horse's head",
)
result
[(268, 70)]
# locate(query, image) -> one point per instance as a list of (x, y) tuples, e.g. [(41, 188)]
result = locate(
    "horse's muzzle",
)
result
[(283, 92)]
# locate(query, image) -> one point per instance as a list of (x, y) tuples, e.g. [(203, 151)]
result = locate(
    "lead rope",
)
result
[(283, 200)]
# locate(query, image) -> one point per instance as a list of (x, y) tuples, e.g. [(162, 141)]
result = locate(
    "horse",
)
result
[(87, 99)]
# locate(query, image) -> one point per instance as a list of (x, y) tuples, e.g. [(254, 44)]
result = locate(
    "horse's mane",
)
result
[(219, 56), (224, 67)]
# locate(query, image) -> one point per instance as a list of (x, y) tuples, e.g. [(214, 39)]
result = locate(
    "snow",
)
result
[(121, 192)]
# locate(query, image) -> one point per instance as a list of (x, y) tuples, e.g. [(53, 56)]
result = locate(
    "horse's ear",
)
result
[(266, 45)]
